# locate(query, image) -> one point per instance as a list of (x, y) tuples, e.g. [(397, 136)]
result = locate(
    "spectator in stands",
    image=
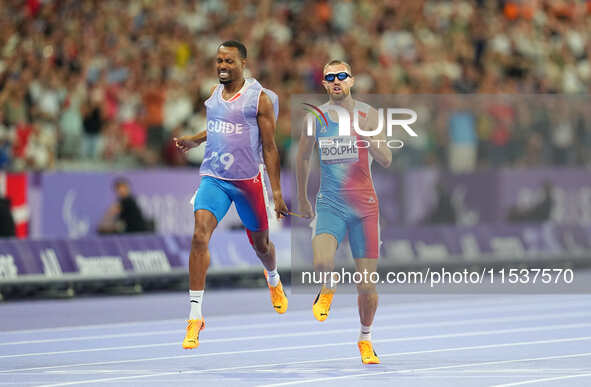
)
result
[(71, 129), (112, 146), (125, 215), (154, 97), (503, 120), (563, 134), (136, 60), (6, 138), (40, 148), (15, 108), (93, 123), (462, 136)]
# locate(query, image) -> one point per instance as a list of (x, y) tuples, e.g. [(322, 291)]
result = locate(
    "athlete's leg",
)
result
[(365, 245), (367, 296), (364, 240), (210, 205), (324, 247), (249, 198), (367, 302), (329, 231), (263, 248), (205, 223)]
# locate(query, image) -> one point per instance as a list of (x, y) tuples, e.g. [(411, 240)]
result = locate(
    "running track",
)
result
[(508, 340)]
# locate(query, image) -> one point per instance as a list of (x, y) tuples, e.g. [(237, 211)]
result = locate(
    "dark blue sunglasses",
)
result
[(340, 76)]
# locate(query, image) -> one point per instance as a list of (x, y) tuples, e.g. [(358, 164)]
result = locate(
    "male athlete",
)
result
[(346, 202), (241, 117)]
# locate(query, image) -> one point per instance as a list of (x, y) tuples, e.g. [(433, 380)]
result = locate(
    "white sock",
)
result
[(365, 333), (273, 277), (196, 297)]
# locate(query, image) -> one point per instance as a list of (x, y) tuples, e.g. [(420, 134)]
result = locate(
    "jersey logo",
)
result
[(224, 127)]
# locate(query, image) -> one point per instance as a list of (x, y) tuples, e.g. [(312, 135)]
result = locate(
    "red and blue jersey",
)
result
[(347, 202), (346, 183)]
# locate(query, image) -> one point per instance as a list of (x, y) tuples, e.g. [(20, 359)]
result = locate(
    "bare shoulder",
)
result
[(265, 104), (212, 89)]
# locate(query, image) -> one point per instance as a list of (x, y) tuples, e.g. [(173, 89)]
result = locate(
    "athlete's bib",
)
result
[(338, 149)]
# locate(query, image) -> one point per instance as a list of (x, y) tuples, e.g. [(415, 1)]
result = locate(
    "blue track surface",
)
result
[(427, 340)]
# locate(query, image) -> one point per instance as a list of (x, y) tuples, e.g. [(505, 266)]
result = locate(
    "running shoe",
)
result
[(192, 338), (368, 355), (321, 305), (278, 297)]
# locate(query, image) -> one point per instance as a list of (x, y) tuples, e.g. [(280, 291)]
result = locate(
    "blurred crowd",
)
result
[(469, 132), (109, 83)]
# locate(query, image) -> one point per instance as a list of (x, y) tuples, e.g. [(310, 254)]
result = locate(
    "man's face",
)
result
[(229, 64), (122, 190), (337, 89)]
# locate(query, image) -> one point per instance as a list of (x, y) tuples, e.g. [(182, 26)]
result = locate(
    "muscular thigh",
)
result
[(249, 198), (364, 236), (211, 196)]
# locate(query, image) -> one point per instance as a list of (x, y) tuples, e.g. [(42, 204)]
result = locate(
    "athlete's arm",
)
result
[(266, 122), (109, 223), (305, 148), (184, 143), (377, 144)]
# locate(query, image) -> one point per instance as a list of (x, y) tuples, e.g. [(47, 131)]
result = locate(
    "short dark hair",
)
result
[(120, 181), (236, 44), (337, 62)]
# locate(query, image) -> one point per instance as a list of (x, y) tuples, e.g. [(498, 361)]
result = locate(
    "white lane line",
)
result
[(393, 327), (521, 370), (373, 374), (382, 317), (90, 326), (397, 339), (437, 350), (543, 380), (165, 321), (464, 304), (141, 360), (328, 360)]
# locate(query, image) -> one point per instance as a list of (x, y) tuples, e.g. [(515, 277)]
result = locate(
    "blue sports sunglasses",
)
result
[(340, 76)]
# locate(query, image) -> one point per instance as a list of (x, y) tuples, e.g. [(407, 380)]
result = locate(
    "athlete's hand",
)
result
[(305, 208), (281, 209), (185, 143)]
